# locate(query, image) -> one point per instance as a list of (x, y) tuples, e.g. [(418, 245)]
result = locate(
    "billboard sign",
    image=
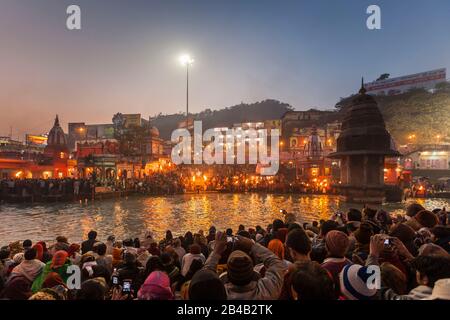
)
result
[(40, 140)]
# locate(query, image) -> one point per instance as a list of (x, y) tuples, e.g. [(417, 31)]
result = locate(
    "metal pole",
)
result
[(187, 94)]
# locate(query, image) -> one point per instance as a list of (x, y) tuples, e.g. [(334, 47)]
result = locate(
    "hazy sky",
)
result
[(305, 53)]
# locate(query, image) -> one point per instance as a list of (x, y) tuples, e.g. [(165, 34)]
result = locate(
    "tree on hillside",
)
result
[(243, 112), (417, 111)]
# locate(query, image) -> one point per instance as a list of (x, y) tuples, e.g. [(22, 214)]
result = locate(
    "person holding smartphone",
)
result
[(242, 282)]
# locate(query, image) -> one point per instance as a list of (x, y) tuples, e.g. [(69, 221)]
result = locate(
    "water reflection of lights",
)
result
[(179, 213)]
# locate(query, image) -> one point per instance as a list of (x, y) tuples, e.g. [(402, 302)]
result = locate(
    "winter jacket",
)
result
[(266, 288), (418, 293)]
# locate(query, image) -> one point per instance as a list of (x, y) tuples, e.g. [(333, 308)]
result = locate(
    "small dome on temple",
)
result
[(56, 136), (57, 142)]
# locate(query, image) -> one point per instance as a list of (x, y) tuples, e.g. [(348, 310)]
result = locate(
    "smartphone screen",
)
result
[(115, 280), (126, 286)]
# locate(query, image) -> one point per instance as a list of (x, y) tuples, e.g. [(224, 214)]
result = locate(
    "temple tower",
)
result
[(361, 147)]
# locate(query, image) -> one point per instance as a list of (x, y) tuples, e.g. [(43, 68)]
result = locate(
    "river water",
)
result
[(132, 216)]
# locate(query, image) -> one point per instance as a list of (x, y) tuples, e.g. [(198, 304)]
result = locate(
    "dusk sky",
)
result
[(305, 53)]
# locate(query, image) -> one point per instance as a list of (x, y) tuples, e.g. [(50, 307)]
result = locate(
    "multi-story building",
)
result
[(390, 86)]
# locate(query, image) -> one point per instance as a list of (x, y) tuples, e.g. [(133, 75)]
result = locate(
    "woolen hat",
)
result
[(156, 287), (413, 209), (206, 285), (240, 268), (404, 232), (337, 243), (363, 233), (355, 284), (427, 219)]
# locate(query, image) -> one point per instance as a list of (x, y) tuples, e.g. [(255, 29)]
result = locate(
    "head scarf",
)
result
[(29, 269), (53, 279), (156, 287), (39, 251), (277, 247), (117, 256), (73, 248), (59, 259), (44, 245)]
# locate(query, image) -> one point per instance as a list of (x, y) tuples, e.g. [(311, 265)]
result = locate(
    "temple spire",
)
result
[(363, 89), (56, 121)]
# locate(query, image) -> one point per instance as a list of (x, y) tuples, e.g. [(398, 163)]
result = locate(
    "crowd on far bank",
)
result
[(331, 259), (171, 182), (46, 188)]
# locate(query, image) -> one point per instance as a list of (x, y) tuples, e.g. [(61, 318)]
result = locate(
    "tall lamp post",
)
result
[(187, 61)]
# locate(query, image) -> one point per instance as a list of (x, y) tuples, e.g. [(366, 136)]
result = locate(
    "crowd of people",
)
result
[(41, 188), (236, 178), (185, 179), (331, 259)]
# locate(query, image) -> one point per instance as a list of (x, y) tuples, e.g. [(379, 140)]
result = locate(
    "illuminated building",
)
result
[(296, 127), (390, 86), (312, 165), (56, 152)]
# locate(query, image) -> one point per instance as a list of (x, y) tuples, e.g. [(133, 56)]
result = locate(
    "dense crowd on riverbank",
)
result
[(326, 260), (159, 183), (45, 187)]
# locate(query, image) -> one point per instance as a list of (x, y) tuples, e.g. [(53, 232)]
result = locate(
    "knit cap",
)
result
[(413, 209), (337, 243), (404, 232), (355, 284), (240, 268), (363, 233), (427, 219)]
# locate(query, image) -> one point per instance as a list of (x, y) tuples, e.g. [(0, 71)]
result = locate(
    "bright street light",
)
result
[(186, 60)]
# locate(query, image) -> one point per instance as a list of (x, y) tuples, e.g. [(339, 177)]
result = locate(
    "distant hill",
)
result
[(254, 112), (416, 112)]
